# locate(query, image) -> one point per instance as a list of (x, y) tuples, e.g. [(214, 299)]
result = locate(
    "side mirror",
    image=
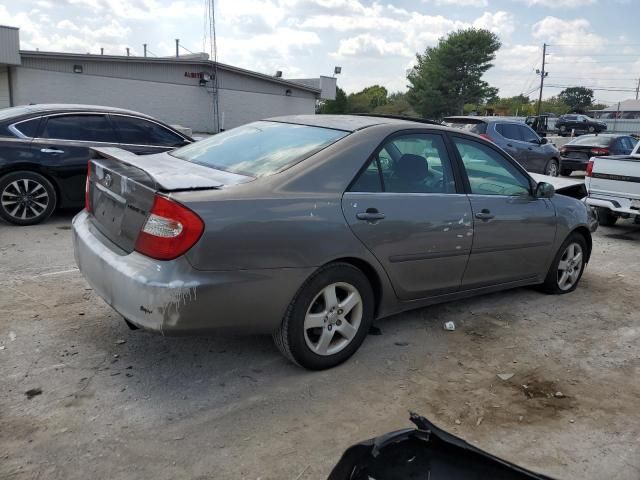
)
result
[(544, 141), (545, 190)]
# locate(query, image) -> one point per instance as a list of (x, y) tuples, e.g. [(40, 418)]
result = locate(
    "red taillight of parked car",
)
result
[(486, 137), (599, 151), (87, 186), (590, 168), (170, 230)]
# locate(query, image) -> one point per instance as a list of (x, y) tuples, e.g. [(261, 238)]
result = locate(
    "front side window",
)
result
[(528, 135), (489, 172), (137, 131), (86, 128), (509, 130), (260, 148), (409, 164)]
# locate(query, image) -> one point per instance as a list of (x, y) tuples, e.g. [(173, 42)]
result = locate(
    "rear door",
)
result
[(513, 230), (64, 142), (514, 144), (142, 136), (410, 211)]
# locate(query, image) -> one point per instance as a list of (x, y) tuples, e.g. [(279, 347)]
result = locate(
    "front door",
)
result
[(513, 230), (64, 144), (408, 210)]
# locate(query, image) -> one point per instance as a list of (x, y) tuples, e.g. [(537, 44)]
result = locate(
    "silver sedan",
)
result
[(310, 227)]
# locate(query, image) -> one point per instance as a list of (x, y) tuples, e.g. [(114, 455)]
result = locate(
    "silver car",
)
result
[(310, 227)]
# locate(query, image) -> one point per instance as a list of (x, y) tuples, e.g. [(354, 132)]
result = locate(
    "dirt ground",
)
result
[(82, 396)]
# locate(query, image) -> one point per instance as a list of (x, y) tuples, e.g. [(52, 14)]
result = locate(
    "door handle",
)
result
[(509, 145), (51, 150), (371, 215), (484, 214)]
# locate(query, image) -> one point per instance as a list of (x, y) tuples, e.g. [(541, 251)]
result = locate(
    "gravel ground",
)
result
[(84, 397)]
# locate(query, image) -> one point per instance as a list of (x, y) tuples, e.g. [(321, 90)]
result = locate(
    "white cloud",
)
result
[(559, 3), (573, 35), (67, 25), (367, 45), (462, 3), (500, 23)]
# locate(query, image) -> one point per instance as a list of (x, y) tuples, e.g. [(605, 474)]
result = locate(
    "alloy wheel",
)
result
[(24, 199), (333, 319), (552, 169), (570, 266)]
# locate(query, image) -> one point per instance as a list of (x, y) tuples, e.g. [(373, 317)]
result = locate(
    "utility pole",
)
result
[(542, 74), (638, 89)]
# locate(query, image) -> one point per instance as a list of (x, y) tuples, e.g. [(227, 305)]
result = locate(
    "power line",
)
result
[(601, 89)]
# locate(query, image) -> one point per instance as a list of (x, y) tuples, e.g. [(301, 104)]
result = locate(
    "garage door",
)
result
[(4, 88)]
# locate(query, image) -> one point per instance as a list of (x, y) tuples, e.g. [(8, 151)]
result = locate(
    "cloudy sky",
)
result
[(593, 42)]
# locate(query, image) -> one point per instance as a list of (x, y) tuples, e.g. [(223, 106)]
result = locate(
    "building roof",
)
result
[(628, 105), (199, 58)]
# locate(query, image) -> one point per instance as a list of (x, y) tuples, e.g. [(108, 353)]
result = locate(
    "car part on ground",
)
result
[(518, 139), (48, 146), (426, 452), (613, 185), (575, 154), (310, 227)]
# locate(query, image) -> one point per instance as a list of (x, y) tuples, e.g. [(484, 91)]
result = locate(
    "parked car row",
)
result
[(575, 155), (44, 151)]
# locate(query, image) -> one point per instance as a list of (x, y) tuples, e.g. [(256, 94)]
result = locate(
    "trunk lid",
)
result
[(122, 187)]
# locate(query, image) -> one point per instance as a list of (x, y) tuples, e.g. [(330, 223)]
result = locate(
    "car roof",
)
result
[(348, 123), (480, 119), (62, 107)]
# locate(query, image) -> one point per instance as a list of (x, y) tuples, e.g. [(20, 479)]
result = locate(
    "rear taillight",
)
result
[(87, 186), (599, 151), (170, 230), (590, 168), (486, 137)]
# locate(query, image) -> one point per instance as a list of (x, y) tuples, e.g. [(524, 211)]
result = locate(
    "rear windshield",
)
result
[(13, 112), (591, 140), (466, 125), (260, 148)]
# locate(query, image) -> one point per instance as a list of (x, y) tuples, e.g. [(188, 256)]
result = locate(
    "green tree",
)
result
[(449, 75), (339, 105), (367, 100), (577, 98), (397, 104), (554, 105)]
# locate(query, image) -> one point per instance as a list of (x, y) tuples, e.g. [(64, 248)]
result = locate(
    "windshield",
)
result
[(591, 140), (260, 148)]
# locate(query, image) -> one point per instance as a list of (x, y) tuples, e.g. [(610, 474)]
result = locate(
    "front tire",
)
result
[(605, 217), (552, 168), (567, 266), (26, 198), (328, 318)]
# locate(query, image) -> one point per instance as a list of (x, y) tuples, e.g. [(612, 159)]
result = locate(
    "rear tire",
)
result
[(322, 329), (567, 267), (606, 218), (552, 168), (26, 198)]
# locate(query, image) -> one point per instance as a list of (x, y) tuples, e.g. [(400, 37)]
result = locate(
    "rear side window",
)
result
[(137, 131), (527, 134), (28, 128), (591, 140), (87, 128), (260, 148), (409, 164)]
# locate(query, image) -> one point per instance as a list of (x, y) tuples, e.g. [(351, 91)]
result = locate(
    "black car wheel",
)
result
[(567, 267), (328, 319), (26, 198), (552, 168), (606, 217)]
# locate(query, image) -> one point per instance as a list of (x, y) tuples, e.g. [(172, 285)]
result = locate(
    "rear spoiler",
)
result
[(172, 173)]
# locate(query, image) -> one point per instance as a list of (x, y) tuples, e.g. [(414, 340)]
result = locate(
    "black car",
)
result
[(44, 150), (575, 155), (579, 124)]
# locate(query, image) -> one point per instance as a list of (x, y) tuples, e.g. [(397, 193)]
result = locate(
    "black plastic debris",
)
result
[(425, 453), (34, 392)]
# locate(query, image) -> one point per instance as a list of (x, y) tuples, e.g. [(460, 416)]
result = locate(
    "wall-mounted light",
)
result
[(287, 92), (337, 70), (77, 69)]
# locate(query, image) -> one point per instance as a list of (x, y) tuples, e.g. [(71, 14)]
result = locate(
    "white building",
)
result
[(191, 90)]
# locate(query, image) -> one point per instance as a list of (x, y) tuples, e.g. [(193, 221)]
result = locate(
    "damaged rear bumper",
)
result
[(172, 298)]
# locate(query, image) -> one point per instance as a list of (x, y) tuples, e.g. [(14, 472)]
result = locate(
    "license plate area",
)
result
[(577, 156)]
